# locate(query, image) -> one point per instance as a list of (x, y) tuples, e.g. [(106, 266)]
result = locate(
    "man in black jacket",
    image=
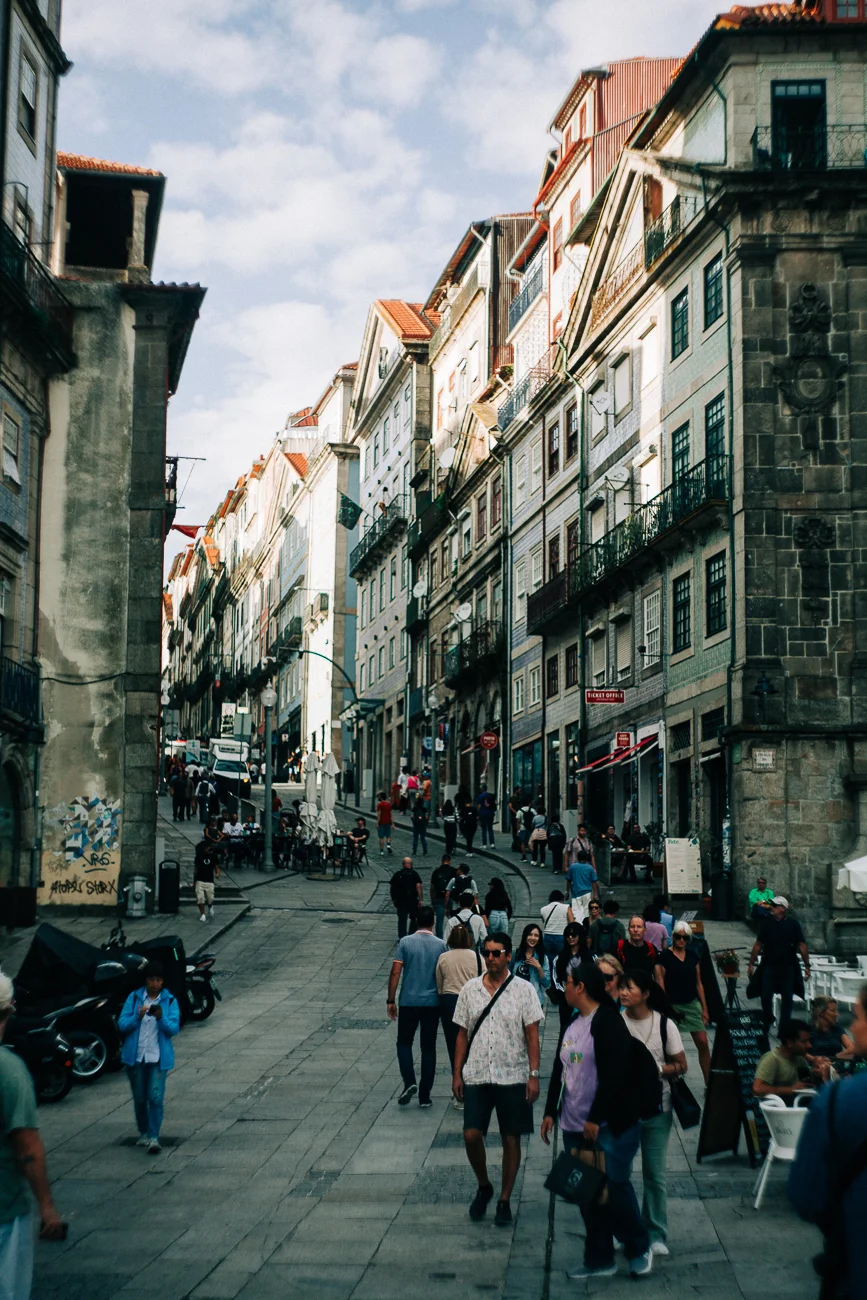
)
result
[(406, 894)]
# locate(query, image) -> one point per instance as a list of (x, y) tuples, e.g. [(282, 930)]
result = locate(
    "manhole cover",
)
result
[(337, 920)]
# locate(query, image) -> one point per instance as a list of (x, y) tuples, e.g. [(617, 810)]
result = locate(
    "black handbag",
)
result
[(684, 1104), (579, 1177), (754, 983)]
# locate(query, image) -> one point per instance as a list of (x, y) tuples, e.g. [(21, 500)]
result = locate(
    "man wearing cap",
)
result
[(779, 941), (149, 1021)]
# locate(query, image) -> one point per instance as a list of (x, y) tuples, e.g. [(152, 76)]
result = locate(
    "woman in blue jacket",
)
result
[(149, 1021)]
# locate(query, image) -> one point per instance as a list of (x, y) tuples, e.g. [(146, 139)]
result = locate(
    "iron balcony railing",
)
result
[(521, 303), (813, 149), (416, 613), (29, 286), (416, 701), (423, 529), (478, 656), (706, 484), (390, 521), (19, 690), (611, 290), (524, 391), (669, 227), (289, 637)]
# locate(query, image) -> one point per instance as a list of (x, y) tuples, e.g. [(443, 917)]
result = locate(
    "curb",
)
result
[(221, 930)]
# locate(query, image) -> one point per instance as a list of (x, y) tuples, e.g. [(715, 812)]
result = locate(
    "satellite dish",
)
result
[(601, 403), (420, 588), (618, 477), (447, 459), (464, 611)]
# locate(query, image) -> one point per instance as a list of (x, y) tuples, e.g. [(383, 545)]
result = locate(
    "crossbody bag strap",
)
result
[(487, 1011)]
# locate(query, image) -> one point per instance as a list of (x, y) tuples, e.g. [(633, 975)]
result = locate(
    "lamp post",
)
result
[(164, 704), (433, 704), (269, 699)]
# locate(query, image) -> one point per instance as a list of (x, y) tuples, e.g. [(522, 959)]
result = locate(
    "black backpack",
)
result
[(528, 814), (402, 888), (648, 1085), (606, 944)]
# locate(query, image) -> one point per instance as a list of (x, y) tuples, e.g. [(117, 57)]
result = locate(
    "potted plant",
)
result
[(727, 962)]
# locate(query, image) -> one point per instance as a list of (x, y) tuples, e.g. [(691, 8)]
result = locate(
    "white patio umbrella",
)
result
[(309, 817), (327, 799), (311, 767)]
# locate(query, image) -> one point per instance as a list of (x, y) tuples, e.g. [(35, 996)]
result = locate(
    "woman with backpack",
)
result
[(526, 813), (598, 1094), (556, 845), (450, 827), (498, 907), (556, 915), (650, 1018), (469, 824), (530, 963), (539, 836)]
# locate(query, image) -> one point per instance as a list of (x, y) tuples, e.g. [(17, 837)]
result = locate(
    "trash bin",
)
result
[(137, 890), (169, 885), (722, 896)]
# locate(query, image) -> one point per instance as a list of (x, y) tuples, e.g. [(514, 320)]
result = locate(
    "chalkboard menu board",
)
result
[(729, 1102)]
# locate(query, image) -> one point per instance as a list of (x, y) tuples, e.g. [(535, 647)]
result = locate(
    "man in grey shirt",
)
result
[(416, 960)]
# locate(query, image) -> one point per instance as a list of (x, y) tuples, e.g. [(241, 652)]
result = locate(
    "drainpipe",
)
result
[(36, 848), (506, 711), (542, 675)]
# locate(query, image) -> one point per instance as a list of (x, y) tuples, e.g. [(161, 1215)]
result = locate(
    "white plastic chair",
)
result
[(846, 986), (778, 1002), (862, 965), (785, 1125)]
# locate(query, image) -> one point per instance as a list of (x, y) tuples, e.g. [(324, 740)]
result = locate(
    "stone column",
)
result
[(137, 271)]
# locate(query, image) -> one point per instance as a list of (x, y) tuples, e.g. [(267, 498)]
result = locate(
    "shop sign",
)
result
[(623, 740), (764, 760), (489, 740), (605, 697)]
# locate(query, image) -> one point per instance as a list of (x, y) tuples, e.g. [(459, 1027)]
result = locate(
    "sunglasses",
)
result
[(609, 978), (494, 952)]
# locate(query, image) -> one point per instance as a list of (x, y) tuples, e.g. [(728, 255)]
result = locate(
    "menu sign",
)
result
[(683, 866), (729, 1102)]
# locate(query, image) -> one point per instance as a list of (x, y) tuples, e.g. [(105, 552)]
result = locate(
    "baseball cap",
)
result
[(779, 901)]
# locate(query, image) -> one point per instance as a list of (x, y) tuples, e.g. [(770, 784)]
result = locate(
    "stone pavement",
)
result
[(289, 1171)]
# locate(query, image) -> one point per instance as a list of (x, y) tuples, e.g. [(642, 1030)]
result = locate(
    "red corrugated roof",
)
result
[(77, 162), (407, 319), (298, 461)]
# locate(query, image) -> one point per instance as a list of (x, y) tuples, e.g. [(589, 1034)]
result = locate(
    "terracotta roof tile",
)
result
[(800, 11), (167, 606), (257, 468), (298, 461), (76, 162), (406, 318), (187, 560)]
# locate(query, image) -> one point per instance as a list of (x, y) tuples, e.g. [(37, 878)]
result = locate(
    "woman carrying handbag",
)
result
[(649, 1019), (595, 1092)]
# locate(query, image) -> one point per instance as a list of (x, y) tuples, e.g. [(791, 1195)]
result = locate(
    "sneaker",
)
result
[(503, 1217), (457, 1105), (211, 913), (407, 1095), (388, 850), (382, 853), (604, 1270), (143, 1141), (426, 1104), (641, 1266), (154, 1147), (659, 1248), (203, 917), (479, 1203)]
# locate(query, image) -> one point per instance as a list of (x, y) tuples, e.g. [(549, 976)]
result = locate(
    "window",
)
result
[(649, 356), (680, 324), (404, 639), (382, 661), (521, 480), (681, 607), (597, 660), (385, 435), (23, 223), (553, 448), (395, 410), (557, 245), (573, 542), (381, 590), (596, 413), (536, 569), (27, 88), (536, 467), (482, 516), (680, 452), (567, 140), (715, 437), (552, 676), (375, 450), (481, 607), (466, 539), (535, 686), (391, 650), (597, 523), (473, 364), (496, 501), (571, 665), (651, 629), (11, 452), (553, 556), (571, 432), (713, 291), (847, 9), (623, 648), (392, 578), (798, 125), (363, 607), (404, 568), (518, 694), (433, 568), (575, 210), (444, 556), (520, 591), (360, 677), (371, 671), (582, 123), (462, 380), (715, 594), (622, 386)]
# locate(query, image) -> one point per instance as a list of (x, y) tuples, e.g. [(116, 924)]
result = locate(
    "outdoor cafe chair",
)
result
[(785, 1126)]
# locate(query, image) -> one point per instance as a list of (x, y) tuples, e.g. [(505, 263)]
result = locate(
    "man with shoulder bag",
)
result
[(496, 1069)]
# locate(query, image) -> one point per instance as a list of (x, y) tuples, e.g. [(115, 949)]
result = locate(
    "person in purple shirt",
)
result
[(654, 931)]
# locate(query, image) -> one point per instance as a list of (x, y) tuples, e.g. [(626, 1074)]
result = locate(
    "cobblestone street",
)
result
[(289, 1170)]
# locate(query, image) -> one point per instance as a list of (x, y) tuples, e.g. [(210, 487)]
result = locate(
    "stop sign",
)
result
[(489, 740)]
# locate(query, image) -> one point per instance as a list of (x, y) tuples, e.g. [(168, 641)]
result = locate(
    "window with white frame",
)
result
[(597, 659), (386, 435), (392, 578), (536, 563), (521, 480), (518, 693), (473, 362), (404, 568), (536, 466), (11, 452), (597, 523), (360, 677), (535, 685), (649, 356), (622, 385), (28, 83), (651, 629), (596, 415), (403, 643), (363, 607), (520, 590), (382, 661), (391, 652), (623, 648), (371, 671), (466, 538)]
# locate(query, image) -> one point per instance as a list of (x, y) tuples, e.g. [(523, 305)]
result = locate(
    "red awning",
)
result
[(619, 756)]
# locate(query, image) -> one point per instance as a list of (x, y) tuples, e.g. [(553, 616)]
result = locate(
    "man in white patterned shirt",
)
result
[(496, 1068)]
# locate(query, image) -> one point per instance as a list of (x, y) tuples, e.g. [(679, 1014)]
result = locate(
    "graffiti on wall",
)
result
[(81, 857)]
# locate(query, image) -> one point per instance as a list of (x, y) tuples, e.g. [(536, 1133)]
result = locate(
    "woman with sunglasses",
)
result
[(574, 949), (677, 972), (650, 1018), (530, 963), (612, 974), (593, 1091)]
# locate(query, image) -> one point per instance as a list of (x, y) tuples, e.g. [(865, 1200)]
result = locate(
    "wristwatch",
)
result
[(534, 1074)]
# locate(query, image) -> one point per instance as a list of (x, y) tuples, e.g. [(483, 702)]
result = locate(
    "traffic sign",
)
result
[(489, 740), (605, 697)]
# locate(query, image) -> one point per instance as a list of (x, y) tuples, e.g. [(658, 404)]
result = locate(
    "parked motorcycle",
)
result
[(45, 1052), (202, 991)]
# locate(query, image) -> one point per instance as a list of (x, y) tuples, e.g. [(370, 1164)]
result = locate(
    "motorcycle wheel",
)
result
[(200, 1000), (89, 1054), (53, 1083)]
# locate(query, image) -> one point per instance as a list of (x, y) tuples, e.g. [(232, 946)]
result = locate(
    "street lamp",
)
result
[(268, 699), (433, 704), (164, 704)]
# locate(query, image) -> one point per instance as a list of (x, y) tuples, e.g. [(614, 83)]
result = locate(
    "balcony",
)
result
[(389, 523), (30, 292), (422, 530), (524, 391), (679, 505), (19, 691), (416, 702), (815, 149), (610, 291), (523, 301), (416, 613), (289, 638), (667, 229), (477, 658)]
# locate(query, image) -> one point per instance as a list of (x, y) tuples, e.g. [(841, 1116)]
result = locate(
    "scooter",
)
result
[(45, 1052), (202, 991)]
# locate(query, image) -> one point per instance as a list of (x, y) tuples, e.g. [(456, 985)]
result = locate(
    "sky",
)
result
[(320, 154)]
